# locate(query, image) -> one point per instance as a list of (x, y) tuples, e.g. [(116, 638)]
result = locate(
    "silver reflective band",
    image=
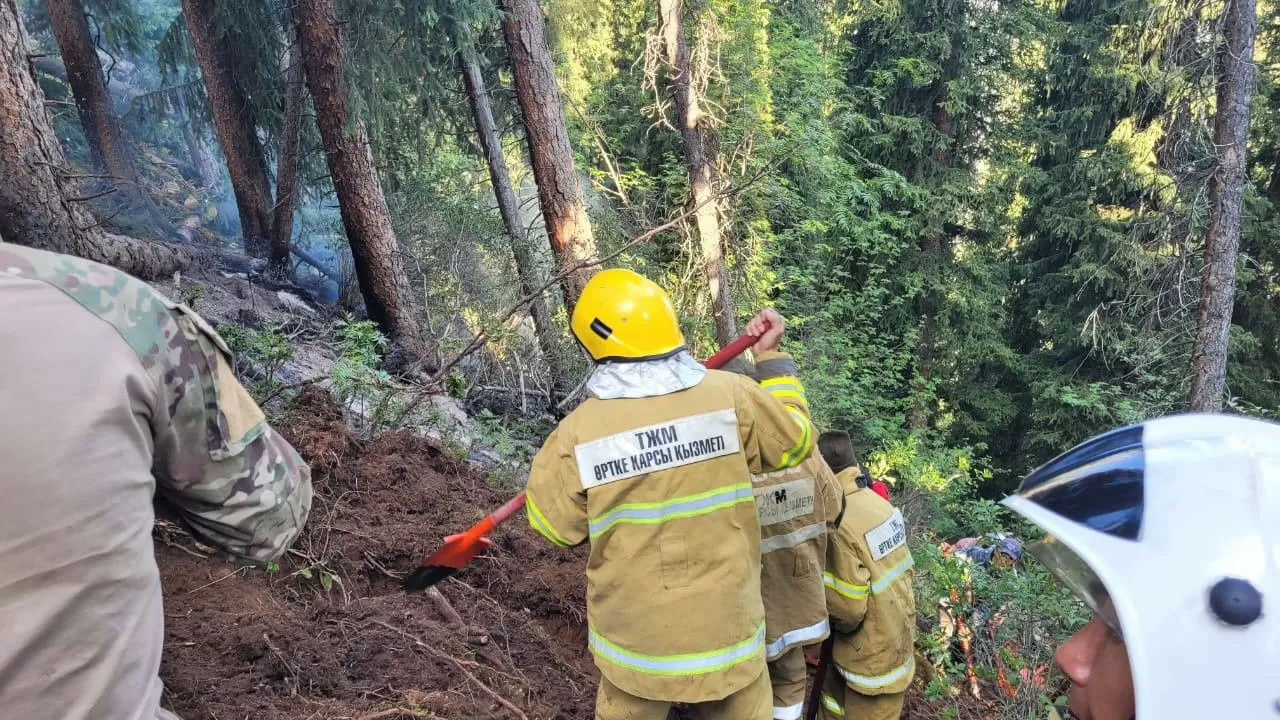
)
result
[(681, 507), (790, 712), (831, 705), (793, 538), (894, 573), (687, 664), (875, 682), (816, 631)]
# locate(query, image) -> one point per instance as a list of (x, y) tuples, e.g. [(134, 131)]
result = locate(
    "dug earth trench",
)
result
[(328, 633)]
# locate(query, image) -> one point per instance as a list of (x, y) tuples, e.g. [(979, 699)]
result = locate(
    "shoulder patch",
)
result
[(200, 324), (887, 536), (657, 447), (785, 501), (243, 416)]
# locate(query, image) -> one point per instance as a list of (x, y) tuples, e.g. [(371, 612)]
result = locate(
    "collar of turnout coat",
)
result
[(649, 378)]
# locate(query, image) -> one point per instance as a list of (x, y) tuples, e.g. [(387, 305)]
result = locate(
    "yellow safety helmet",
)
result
[(623, 316)]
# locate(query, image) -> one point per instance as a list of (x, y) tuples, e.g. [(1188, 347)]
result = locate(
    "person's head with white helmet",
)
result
[(1170, 531)]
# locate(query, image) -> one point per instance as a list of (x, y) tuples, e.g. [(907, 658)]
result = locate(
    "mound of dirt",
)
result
[(329, 634)]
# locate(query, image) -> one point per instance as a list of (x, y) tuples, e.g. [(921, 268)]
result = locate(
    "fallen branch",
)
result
[(275, 392), (460, 664), (446, 608), (283, 661), (237, 571), (393, 712), (478, 340)]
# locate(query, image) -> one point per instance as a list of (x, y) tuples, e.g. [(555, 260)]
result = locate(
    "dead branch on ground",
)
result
[(461, 665)]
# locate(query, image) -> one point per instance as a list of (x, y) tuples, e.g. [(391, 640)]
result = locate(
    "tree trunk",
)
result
[(236, 129), (935, 256), (355, 179), (1226, 199), (195, 146), (37, 202), (698, 156), (287, 167), (84, 73), (559, 191), (509, 209)]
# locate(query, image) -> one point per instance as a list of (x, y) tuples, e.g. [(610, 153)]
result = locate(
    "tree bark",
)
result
[(84, 73), (287, 166), (37, 205), (355, 179), (509, 209), (236, 129), (936, 257), (559, 191), (698, 157), (195, 146), (1226, 199)]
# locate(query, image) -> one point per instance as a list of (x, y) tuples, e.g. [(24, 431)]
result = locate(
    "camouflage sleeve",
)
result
[(238, 484)]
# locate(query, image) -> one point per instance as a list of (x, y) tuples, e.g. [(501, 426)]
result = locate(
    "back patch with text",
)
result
[(657, 447), (784, 501), (887, 536)]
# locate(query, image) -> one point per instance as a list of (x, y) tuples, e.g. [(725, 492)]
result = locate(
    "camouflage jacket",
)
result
[(114, 394)]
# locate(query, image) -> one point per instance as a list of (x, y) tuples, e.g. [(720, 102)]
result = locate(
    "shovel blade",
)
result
[(458, 550), (425, 576)]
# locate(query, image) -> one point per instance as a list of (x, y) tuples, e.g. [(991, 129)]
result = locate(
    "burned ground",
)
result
[(329, 634)]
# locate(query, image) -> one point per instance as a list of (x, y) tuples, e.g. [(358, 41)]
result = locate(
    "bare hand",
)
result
[(767, 327)]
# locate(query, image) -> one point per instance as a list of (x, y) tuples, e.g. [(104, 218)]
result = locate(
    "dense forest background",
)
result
[(996, 227)]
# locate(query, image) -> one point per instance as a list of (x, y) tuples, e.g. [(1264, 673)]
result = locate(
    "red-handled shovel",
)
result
[(461, 549)]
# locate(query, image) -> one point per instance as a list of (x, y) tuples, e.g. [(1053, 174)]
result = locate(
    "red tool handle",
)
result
[(512, 506), (732, 350)]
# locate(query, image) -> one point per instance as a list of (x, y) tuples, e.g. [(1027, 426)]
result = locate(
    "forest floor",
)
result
[(329, 634)]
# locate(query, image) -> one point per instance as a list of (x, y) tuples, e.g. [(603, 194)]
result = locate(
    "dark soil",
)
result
[(329, 634)]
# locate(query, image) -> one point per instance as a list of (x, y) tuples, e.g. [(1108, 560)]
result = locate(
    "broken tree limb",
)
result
[(478, 340), (461, 665), (310, 259)]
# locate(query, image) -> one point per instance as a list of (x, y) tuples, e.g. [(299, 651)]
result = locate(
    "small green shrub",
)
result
[(258, 352)]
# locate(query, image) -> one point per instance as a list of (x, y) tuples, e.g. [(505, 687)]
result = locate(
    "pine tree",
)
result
[(564, 210), (39, 206), (355, 180)]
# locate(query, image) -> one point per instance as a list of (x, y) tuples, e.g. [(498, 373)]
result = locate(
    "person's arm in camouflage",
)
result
[(238, 485)]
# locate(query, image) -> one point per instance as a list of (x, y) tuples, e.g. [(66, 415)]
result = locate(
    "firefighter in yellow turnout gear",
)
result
[(654, 468), (798, 509), (870, 599)]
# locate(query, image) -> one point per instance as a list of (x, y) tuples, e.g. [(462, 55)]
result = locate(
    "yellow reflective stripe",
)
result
[(797, 454), (832, 705), (790, 394), (677, 665), (875, 682), (540, 523), (786, 387), (894, 573), (783, 381), (844, 587), (656, 513)]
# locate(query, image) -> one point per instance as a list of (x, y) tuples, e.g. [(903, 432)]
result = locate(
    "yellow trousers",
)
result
[(839, 701), (788, 675), (750, 703)]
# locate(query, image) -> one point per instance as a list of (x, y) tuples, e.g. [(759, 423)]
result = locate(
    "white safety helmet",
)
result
[(1170, 530)]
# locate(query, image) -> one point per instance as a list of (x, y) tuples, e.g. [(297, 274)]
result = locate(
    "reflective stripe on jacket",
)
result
[(661, 487), (869, 593), (797, 509)]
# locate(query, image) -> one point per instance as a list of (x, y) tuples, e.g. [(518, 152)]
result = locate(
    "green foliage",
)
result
[(259, 354)]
